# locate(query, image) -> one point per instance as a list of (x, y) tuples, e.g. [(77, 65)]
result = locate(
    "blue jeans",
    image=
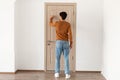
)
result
[(62, 46)]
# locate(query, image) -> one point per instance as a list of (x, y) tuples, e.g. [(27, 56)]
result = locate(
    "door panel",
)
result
[(51, 35)]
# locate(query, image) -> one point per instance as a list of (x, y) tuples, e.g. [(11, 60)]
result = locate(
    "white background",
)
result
[(7, 55), (22, 45), (111, 48), (29, 34), (27, 50)]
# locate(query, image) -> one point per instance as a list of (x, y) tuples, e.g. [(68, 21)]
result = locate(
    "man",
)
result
[(63, 36)]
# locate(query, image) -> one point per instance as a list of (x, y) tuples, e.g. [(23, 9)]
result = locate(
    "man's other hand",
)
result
[(70, 45)]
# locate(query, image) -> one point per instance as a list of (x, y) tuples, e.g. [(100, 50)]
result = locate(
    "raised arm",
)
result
[(51, 23)]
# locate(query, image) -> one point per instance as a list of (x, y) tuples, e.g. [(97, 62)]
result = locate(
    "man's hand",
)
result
[(70, 45), (52, 17), (51, 21)]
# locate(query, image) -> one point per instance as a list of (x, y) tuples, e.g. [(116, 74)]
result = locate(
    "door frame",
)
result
[(45, 30)]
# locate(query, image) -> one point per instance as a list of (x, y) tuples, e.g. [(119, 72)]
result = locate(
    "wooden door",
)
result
[(55, 9)]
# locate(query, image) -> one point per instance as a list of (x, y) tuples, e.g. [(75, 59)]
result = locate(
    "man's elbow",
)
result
[(50, 24)]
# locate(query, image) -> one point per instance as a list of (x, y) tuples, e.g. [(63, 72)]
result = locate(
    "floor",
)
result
[(32, 75)]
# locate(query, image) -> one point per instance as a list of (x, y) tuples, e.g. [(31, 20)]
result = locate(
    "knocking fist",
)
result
[(52, 17)]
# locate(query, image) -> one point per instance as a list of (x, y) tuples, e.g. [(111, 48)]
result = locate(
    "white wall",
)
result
[(111, 57), (89, 35), (29, 34), (7, 55)]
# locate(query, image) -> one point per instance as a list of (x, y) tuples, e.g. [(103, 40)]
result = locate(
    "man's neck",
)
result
[(62, 20)]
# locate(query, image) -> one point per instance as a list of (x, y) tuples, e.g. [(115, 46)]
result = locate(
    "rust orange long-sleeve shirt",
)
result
[(63, 30)]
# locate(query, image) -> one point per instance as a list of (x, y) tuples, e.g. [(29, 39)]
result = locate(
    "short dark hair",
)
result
[(63, 15)]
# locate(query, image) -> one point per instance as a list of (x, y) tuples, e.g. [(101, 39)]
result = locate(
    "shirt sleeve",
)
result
[(70, 33), (53, 24)]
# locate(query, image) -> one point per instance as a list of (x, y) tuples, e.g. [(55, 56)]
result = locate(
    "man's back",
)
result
[(62, 30)]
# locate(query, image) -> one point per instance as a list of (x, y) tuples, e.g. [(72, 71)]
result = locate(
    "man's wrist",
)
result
[(51, 19), (71, 41)]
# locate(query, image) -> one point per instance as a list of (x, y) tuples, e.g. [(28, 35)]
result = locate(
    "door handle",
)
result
[(48, 44), (50, 41)]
